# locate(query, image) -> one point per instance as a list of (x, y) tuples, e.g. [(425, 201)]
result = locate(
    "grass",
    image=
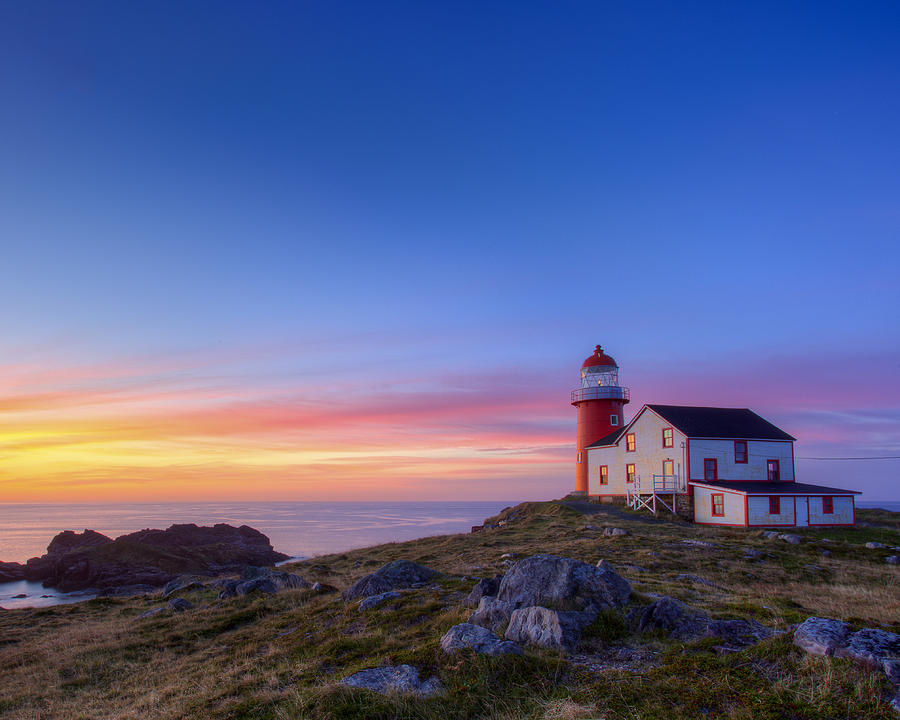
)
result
[(283, 656)]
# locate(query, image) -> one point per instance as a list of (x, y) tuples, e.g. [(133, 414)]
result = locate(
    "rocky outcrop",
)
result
[(548, 628), (395, 575), (148, 557), (11, 572), (477, 638), (394, 679)]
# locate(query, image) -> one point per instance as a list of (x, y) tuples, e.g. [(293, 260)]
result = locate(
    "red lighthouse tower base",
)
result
[(600, 402)]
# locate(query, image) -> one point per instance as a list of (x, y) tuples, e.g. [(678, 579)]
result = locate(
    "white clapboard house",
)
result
[(721, 466)]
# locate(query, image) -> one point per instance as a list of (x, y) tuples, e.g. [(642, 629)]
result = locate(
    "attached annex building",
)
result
[(718, 466)]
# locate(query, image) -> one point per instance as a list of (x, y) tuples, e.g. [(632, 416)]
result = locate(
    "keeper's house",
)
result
[(718, 466)]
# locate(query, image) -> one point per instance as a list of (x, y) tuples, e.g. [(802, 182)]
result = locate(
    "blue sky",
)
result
[(362, 195)]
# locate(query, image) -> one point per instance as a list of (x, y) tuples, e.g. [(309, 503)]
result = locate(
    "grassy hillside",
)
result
[(281, 656)]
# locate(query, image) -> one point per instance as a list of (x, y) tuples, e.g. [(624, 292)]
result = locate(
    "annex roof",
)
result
[(608, 439), (750, 487), (713, 422)]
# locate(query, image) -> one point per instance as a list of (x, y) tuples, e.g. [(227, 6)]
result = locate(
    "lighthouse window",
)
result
[(629, 473), (579, 458), (740, 451), (604, 475), (613, 419), (629, 442), (668, 440)]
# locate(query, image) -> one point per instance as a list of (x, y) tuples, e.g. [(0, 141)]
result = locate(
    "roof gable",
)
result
[(608, 439), (711, 422)]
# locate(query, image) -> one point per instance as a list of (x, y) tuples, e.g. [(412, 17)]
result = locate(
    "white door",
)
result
[(802, 511)]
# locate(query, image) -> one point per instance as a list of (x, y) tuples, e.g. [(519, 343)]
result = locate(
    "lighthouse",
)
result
[(600, 402)]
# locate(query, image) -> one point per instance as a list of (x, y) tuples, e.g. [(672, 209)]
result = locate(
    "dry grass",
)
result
[(283, 656)]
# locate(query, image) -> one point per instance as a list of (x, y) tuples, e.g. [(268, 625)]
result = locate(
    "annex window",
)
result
[(710, 471), (718, 504), (668, 468), (613, 419), (740, 451), (772, 471), (828, 506), (629, 442), (629, 473), (604, 475), (668, 438), (775, 505)]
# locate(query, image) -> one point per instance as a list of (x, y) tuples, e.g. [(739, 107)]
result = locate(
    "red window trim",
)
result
[(777, 470), (665, 462), (712, 500), (775, 502), (604, 475), (671, 437), (746, 452), (715, 469), (630, 440), (827, 509), (629, 473)]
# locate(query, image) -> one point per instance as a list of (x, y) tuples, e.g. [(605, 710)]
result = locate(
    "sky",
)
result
[(359, 251)]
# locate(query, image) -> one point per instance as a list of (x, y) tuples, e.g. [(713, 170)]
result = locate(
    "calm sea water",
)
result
[(300, 529)]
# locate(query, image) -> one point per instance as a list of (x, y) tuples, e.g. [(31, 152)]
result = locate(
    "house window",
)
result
[(710, 471), (668, 468), (629, 442), (579, 457), (828, 506), (740, 451), (775, 505), (613, 419), (668, 438), (604, 475), (629, 472), (718, 504), (772, 470)]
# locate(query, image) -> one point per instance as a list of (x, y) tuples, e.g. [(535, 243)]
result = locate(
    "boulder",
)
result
[(790, 538), (260, 584), (878, 649), (319, 587), (492, 613), (477, 638), (563, 584), (875, 546), (183, 582), (395, 679), (393, 576), (681, 622), (771, 534), (487, 587), (614, 532), (821, 636), (374, 600), (541, 626), (180, 604), (892, 559)]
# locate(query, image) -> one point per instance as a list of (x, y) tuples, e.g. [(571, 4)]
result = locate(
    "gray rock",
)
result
[(771, 534), (790, 538), (701, 543), (588, 527), (562, 583), (509, 556), (393, 576), (375, 600), (149, 613), (260, 584), (826, 553), (872, 647), (548, 628), (281, 580), (892, 559), (875, 546), (821, 636), (753, 554), (180, 604), (680, 622), (319, 587), (492, 613), (183, 582), (614, 532), (395, 679), (486, 587), (696, 579), (479, 639), (605, 565)]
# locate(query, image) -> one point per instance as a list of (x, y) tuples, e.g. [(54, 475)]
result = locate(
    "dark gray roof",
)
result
[(776, 488), (608, 439), (712, 422)]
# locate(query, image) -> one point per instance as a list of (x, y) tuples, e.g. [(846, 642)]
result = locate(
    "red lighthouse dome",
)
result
[(600, 402)]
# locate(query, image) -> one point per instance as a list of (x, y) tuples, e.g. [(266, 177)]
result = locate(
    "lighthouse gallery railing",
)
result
[(601, 392)]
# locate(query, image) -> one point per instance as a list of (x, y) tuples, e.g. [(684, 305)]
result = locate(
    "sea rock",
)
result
[(492, 613), (394, 679), (479, 639), (11, 572), (541, 626), (368, 603), (562, 583), (821, 636), (393, 576), (614, 532), (486, 587), (180, 604), (149, 557)]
